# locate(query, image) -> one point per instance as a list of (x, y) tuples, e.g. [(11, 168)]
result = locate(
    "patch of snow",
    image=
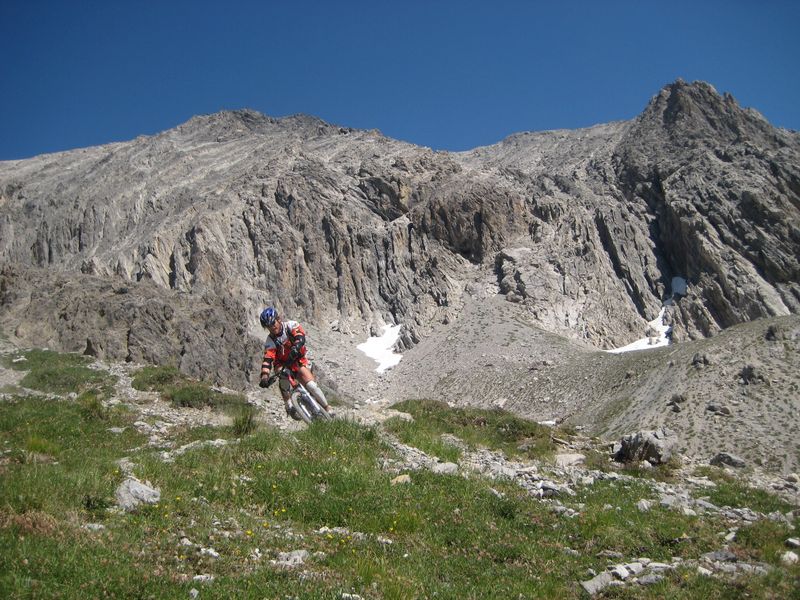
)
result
[(679, 286), (380, 348), (646, 343)]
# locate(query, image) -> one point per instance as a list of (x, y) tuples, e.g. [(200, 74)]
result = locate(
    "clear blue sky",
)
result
[(446, 74)]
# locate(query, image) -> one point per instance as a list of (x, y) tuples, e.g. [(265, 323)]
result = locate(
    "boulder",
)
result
[(729, 460), (598, 583), (656, 446), (132, 493)]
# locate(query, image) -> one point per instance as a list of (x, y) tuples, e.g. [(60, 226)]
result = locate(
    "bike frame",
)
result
[(304, 403)]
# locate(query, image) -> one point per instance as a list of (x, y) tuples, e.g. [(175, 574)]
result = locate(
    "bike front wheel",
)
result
[(308, 409)]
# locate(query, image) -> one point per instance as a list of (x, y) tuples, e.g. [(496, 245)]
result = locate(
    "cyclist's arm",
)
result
[(298, 340), (267, 362)]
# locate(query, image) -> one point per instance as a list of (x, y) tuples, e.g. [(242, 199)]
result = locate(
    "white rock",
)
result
[(596, 584), (701, 482), (132, 492), (445, 468), (569, 460), (793, 543), (620, 572), (635, 567), (789, 558), (291, 559), (643, 505)]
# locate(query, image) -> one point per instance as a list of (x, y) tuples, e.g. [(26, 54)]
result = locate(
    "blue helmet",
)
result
[(268, 317)]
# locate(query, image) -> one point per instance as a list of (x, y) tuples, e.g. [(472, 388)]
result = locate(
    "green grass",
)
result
[(244, 421), (427, 439), (734, 492), (739, 495), (660, 472), (495, 429), (158, 378), (451, 536), (182, 391), (199, 395), (78, 455), (59, 373)]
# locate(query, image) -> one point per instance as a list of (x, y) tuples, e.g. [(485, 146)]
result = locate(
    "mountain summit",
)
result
[(164, 248)]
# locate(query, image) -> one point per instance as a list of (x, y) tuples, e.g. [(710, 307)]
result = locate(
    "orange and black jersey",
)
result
[(277, 348)]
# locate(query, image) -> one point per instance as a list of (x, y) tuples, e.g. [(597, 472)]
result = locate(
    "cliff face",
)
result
[(348, 230), (724, 188)]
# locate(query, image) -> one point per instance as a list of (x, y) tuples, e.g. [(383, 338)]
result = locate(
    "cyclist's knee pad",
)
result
[(316, 391)]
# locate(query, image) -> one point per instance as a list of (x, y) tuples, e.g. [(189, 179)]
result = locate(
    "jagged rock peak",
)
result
[(691, 108)]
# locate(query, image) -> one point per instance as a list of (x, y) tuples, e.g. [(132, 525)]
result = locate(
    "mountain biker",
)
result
[(286, 347)]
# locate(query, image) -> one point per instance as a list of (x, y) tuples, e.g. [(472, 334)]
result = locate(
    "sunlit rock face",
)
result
[(165, 247)]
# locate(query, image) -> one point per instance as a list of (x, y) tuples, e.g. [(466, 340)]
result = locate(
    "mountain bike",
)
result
[(301, 399)]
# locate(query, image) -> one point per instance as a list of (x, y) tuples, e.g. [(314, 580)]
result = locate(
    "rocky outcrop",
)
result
[(656, 447), (583, 229), (721, 185)]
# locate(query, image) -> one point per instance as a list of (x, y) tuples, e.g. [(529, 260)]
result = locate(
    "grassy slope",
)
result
[(451, 536)]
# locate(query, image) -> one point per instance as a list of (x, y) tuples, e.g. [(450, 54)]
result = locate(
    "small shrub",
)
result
[(419, 436), (157, 378), (763, 540), (92, 406), (244, 421), (192, 395), (95, 504), (199, 395), (503, 508), (39, 445), (598, 461), (32, 521), (663, 472), (182, 391)]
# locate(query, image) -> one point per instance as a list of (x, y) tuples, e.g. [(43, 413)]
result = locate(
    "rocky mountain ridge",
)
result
[(163, 249)]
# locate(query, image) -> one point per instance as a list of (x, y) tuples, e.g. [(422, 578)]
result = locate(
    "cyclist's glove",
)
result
[(294, 353)]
